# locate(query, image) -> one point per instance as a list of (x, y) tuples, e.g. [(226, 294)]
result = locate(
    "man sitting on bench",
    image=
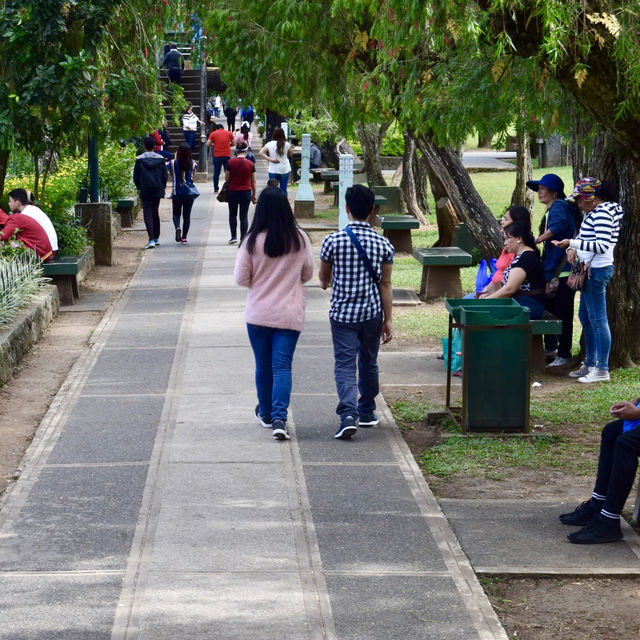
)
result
[(29, 232), (617, 466), (20, 203)]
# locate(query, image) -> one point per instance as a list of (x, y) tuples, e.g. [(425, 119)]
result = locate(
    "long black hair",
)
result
[(522, 230), (273, 214), (184, 160)]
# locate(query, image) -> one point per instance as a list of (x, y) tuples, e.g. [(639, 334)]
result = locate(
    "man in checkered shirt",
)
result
[(360, 313)]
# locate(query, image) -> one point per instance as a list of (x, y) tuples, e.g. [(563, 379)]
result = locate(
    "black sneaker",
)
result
[(280, 430), (582, 515), (178, 234), (265, 422), (598, 531), (347, 429), (368, 420)]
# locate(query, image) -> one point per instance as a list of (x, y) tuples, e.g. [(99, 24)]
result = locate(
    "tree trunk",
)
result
[(4, 161), (371, 136), (522, 195), (447, 220), (421, 180), (485, 140), (408, 184), (450, 179)]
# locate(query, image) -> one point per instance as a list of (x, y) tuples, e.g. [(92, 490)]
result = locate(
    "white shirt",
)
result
[(282, 167), (190, 121), (43, 220)]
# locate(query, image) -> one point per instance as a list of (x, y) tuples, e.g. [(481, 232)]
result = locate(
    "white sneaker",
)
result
[(559, 362), (595, 375), (582, 371), (232, 241)]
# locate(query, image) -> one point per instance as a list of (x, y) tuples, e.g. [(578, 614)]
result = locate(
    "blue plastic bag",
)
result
[(485, 271)]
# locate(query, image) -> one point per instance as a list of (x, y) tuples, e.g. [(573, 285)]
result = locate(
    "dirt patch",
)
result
[(27, 396)]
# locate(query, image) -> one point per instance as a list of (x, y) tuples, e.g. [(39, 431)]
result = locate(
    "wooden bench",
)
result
[(63, 271), (398, 229), (393, 196), (441, 271), (126, 209), (547, 325), (317, 173)]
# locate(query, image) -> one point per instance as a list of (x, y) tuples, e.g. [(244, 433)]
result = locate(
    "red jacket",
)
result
[(30, 233), (159, 141)]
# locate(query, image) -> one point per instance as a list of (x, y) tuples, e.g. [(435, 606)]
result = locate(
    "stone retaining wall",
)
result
[(26, 329)]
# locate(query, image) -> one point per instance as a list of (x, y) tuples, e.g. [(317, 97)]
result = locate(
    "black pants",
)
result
[(175, 75), (617, 465), (561, 306), (151, 217), (231, 124), (235, 200), (182, 207)]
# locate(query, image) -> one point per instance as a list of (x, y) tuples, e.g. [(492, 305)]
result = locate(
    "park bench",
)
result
[(63, 271), (441, 271), (397, 228), (127, 209), (329, 176), (317, 173), (393, 196), (547, 325)]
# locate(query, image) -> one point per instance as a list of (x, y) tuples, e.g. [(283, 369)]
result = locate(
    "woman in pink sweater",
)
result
[(274, 261)]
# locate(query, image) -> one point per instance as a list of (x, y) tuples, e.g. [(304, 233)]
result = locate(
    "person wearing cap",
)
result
[(594, 246), (241, 192), (559, 223)]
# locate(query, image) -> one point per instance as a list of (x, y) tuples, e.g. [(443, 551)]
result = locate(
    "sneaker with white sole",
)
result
[(582, 371), (232, 241), (368, 420), (266, 422), (559, 362), (595, 375), (280, 430), (347, 429), (150, 245)]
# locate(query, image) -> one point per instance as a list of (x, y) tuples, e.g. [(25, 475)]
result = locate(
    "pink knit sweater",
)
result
[(276, 296)]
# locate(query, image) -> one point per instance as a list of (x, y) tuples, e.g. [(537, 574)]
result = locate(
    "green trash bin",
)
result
[(495, 367)]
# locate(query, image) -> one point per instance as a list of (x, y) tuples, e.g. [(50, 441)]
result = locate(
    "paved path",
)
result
[(152, 505)]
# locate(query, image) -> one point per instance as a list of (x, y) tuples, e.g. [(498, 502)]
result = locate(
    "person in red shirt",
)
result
[(241, 176), (30, 233), (220, 140), (160, 142)]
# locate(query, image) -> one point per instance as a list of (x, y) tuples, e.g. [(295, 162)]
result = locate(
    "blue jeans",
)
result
[(283, 178), (218, 163), (536, 308), (273, 351), (356, 342), (190, 138), (593, 316)]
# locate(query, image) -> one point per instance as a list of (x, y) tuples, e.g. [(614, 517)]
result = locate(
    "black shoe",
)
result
[(280, 430), (264, 421), (347, 429), (583, 514), (178, 234), (598, 531), (368, 420)]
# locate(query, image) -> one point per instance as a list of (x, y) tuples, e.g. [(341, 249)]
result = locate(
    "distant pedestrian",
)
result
[(160, 135), (246, 136), (174, 63), (217, 105), (150, 177), (357, 262), (274, 262), (190, 126), (315, 156), (182, 172), (277, 152), (247, 114), (241, 190), (230, 115), (220, 141)]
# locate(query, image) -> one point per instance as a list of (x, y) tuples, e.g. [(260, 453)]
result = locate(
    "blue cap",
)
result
[(549, 180)]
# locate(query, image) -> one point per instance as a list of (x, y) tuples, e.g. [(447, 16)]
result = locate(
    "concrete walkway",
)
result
[(153, 505)]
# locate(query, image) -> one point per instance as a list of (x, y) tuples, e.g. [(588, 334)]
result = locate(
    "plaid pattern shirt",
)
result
[(354, 296)]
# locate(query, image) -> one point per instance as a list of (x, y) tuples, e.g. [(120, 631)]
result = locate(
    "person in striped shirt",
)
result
[(594, 246)]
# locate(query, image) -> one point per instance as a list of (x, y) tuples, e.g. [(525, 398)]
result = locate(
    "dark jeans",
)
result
[(182, 207), (241, 200), (175, 75), (231, 124), (561, 306), (218, 163), (282, 178), (273, 352), (356, 343), (167, 155), (151, 217), (190, 138), (535, 306), (617, 465)]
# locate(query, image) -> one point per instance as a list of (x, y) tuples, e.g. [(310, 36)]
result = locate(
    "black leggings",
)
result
[(617, 465), (182, 206), (237, 199)]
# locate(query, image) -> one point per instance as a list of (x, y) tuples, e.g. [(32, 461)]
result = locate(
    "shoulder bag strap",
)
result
[(362, 253)]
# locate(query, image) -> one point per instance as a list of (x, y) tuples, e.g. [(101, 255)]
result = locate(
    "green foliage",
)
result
[(392, 143), (411, 410), (479, 456), (20, 277)]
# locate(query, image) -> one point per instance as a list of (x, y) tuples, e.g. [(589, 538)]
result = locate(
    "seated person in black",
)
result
[(524, 278)]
